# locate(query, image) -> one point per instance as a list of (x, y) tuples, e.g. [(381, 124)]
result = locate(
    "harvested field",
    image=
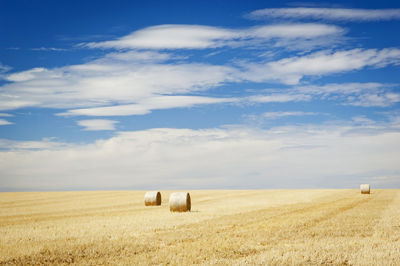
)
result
[(224, 227)]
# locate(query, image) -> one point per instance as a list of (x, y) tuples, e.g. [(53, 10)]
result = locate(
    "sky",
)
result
[(199, 94)]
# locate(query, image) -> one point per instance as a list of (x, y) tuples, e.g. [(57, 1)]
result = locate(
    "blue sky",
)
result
[(199, 94)]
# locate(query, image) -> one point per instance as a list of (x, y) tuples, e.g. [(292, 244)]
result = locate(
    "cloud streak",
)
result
[(4, 122), (131, 80), (370, 94), (97, 124), (279, 98), (336, 14), (4, 68), (356, 94), (46, 49), (292, 69), (276, 115), (147, 105), (203, 37)]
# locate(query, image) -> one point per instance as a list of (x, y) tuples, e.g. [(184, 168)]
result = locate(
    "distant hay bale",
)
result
[(152, 198), (179, 202), (365, 189)]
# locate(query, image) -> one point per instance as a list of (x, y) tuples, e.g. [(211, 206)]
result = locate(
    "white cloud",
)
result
[(293, 31), (342, 88), (44, 144), (363, 120), (370, 94), (202, 37), (384, 99), (4, 114), (97, 124), (5, 122), (260, 120), (343, 14), (279, 98), (128, 78), (48, 49), (275, 115), (170, 37), (291, 70), (27, 75), (4, 68), (140, 57), (13, 48), (357, 94), (133, 82), (235, 157), (145, 106)]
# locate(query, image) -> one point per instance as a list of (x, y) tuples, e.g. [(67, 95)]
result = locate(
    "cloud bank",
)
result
[(236, 157)]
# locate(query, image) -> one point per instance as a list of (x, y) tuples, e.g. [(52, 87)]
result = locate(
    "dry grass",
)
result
[(225, 227)]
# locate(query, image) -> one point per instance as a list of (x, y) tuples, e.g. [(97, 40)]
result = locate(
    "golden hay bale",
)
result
[(152, 198), (365, 189), (179, 202)]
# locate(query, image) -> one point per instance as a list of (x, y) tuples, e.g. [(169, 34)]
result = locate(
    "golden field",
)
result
[(338, 227)]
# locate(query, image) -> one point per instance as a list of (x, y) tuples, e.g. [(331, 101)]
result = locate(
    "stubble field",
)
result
[(337, 227)]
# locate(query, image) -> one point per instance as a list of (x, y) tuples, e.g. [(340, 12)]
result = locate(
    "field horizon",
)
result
[(258, 227)]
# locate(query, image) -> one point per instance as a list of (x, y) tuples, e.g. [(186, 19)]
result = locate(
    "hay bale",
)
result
[(365, 189), (180, 202), (152, 198)]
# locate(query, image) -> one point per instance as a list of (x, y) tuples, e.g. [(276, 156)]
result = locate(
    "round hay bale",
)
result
[(365, 189), (152, 198), (180, 202)]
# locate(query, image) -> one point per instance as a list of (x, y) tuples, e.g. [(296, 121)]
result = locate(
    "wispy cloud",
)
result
[(146, 105), (87, 37), (379, 99), (276, 115), (356, 94), (129, 79), (27, 75), (370, 94), (43, 144), (280, 97), (4, 122), (48, 49), (4, 68), (327, 90), (341, 14), (261, 120), (292, 69), (5, 115), (202, 37), (97, 124), (131, 83), (170, 37)]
